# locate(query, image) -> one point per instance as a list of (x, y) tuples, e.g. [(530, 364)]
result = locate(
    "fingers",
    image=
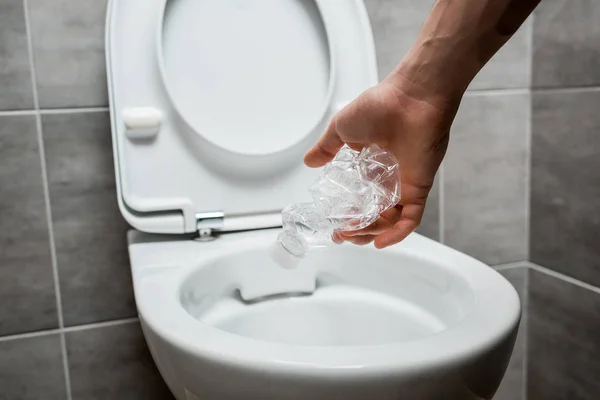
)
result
[(367, 235), (362, 240), (341, 237), (409, 221), (386, 220), (325, 149)]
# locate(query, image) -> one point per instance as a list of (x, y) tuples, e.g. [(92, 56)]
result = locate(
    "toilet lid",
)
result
[(214, 103), (252, 77)]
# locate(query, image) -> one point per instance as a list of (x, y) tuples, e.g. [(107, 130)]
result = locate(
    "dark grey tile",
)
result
[(565, 43), (430, 224), (15, 70), (113, 362), (32, 369), (565, 187), (89, 231), (564, 350), (27, 297), (513, 384), (511, 66), (68, 45), (485, 178), (396, 24)]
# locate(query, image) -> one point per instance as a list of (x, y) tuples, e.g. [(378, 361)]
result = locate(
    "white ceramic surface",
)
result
[(416, 321)]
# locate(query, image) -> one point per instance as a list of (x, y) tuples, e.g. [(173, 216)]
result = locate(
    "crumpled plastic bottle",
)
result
[(350, 193)]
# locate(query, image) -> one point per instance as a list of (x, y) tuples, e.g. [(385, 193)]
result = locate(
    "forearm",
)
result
[(457, 40)]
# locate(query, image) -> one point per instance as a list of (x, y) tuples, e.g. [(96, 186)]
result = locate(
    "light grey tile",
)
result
[(510, 67), (485, 179), (396, 24), (565, 193), (113, 362), (27, 297), (32, 369), (565, 43), (68, 45), (15, 76), (430, 224), (89, 231), (564, 350), (512, 387)]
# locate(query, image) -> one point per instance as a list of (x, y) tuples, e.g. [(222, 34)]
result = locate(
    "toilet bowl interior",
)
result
[(338, 297)]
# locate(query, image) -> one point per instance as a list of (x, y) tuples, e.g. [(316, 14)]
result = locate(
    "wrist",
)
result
[(412, 81)]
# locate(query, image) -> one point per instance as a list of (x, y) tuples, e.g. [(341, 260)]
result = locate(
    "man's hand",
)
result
[(416, 131)]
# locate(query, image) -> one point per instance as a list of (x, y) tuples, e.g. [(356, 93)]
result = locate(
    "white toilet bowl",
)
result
[(213, 104), (416, 321)]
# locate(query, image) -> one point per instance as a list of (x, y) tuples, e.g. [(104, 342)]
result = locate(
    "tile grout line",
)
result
[(46, 185), (566, 89), (563, 277), (528, 176), (73, 110), (76, 328), (16, 113), (526, 337), (496, 92), (529, 139), (45, 111), (510, 265), (96, 325), (523, 90), (529, 149), (441, 203), (28, 335)]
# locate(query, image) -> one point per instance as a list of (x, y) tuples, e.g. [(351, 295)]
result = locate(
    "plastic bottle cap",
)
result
[(282, 257)]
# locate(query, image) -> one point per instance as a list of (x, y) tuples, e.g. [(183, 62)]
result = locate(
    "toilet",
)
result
[(213, 104)]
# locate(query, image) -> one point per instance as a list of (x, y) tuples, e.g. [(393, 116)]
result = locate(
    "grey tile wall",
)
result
[(27, 297), (89, 231), (565, 44), (69, 52), (513, 384), (564, 350), (510, 68), (15, 71), (564, 315), (565, 191), (485, 178), (396, 24), (32, 369), (484, 191), (430, 224), (113, 362)]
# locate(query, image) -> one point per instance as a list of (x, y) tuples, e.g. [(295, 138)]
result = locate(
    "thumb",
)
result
[(325, 149)]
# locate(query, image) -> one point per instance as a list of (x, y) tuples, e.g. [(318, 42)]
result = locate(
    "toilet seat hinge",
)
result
[(209, 224)]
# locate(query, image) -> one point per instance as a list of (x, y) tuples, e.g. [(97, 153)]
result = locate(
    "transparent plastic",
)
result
[(349, 194)]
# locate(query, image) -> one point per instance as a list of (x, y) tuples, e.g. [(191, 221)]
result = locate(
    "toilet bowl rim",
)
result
[(461, 341)]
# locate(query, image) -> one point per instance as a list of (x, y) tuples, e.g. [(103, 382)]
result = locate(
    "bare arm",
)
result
[(411, 111), (458, 38)]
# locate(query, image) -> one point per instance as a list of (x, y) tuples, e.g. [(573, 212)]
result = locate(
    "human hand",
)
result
[(414, 128)]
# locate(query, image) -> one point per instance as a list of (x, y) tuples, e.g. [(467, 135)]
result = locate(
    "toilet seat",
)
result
[(174, 170), (486, 311)]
